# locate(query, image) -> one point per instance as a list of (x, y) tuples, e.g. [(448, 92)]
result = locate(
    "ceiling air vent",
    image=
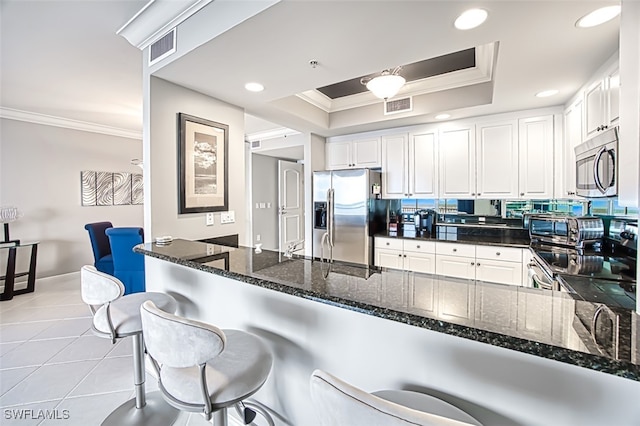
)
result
[(255, 144), (398, 105), (163, 47)]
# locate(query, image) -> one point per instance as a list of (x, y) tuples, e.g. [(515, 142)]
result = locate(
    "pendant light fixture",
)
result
[(386, 85)]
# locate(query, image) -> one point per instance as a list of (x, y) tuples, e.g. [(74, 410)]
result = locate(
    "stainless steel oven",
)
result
[(540, 277), (597, 165)]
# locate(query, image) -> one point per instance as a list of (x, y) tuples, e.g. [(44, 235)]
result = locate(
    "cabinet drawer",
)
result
[(507, 254), (388, 243), (452, 249), (420, 246)]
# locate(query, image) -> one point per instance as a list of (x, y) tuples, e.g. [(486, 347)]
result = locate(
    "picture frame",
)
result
[(203, 156)]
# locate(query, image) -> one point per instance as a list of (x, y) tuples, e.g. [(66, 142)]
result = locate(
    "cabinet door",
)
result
[(613, 97), (423, 293), (458, 163), (420, 262), (535, 314), (389, 258), (456, 266), (594, 98), (456, 302), (572, 137), (338, 155), (495, 271), (394, 166), (366, 153), (497, 160), (536, 157), (496, 307), (423, 171)]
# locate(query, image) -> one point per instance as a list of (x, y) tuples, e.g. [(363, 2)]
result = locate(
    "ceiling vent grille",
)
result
[(398, 105), (163, 47), (255, 144)]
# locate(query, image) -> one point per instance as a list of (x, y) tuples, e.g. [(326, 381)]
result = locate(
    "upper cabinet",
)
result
[(409, 166), (497, 160), (602, 103), (536, 157), (573, 136), (353, 154), (458, 162)]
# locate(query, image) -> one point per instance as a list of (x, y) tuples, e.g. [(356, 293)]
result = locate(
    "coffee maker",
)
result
[(425, 222)]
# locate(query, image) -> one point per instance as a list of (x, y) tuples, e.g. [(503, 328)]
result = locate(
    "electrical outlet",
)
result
[(228, 217), (258, 237), (208, 220), (268, 205)]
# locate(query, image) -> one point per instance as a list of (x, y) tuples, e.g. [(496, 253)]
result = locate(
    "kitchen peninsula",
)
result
[(460, 339)]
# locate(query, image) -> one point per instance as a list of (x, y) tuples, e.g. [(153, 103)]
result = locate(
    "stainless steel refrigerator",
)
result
[(347, 213)]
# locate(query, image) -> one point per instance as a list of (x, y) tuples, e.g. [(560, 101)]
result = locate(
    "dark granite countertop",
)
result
[(485, 312), (480, 235)]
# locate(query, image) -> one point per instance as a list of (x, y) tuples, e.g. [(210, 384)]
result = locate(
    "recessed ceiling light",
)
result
[(546, 93), (442, 116), (598, 16), (254, 87), (470, 19)]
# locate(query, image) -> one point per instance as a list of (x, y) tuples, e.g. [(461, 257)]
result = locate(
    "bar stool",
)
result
[(204, 369), (115, 317), (339, 403)]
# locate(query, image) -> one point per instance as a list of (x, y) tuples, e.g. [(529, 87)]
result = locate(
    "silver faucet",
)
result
[(293, 247)]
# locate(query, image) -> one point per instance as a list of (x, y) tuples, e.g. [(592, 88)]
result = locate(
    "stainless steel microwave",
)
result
[(597, 165)]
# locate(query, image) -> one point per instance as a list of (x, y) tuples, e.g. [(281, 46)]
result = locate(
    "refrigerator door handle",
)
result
[(331, 221)]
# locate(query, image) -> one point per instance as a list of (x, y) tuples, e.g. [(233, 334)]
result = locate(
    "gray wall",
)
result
[(40, 174), (161, 204), (264, 187)]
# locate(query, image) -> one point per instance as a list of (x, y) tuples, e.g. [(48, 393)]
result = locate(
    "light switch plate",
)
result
[(228, 217), (208, 220)]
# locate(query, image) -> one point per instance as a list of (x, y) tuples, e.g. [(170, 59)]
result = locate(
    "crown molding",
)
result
[(156, 18), (49, 120), (270, 134)]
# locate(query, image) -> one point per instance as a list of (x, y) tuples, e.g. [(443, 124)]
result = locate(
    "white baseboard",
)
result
[(46, 281)]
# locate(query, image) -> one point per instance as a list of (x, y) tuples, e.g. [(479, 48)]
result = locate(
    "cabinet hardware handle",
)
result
[(522, 194), (472, 263), (473, 193), (478, 264), (479, 194), (399, 255), (497, 253), (405, 255), (455, 250), (387, 243), (418, 246)]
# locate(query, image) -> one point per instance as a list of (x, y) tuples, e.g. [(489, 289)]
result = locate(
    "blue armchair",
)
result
[(103, 261), (128, 266)]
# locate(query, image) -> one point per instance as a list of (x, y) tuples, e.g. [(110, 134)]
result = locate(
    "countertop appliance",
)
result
[(597, 165), (565, 230), (347, 215), (624, 232), (424, 221)]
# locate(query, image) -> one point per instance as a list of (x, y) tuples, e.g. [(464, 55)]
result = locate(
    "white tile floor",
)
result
[(52, 364)]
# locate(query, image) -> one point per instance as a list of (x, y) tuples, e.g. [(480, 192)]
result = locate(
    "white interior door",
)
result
[(290, 203)]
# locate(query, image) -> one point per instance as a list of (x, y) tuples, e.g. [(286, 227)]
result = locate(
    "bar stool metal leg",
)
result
[(144, 409)]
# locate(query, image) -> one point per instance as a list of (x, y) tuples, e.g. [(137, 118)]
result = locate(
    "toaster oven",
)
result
[(564, 230)]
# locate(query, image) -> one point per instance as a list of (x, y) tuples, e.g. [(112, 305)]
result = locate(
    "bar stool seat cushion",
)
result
[(125, 312), (237, 373)]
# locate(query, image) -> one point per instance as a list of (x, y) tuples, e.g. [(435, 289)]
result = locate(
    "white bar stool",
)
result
[(115, 317)]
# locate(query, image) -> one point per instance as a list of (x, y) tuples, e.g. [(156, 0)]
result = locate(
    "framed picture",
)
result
[(202, 165)]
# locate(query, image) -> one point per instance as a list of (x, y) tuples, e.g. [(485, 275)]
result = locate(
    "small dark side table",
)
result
[(11, 248)]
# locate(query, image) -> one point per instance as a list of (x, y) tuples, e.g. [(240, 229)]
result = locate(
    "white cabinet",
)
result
[(411, 255), (353, 154), (458, 162), (572, 136), (499, 264), (602, 103), (456, 260), (497, 160), (409, 166), (536, 157)]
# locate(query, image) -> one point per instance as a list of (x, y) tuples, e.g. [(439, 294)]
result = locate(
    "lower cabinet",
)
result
[(412, 255)]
